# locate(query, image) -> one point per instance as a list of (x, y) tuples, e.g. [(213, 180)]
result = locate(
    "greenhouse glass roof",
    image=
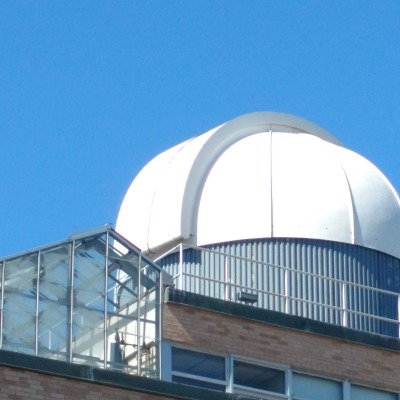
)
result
[(91, 299)]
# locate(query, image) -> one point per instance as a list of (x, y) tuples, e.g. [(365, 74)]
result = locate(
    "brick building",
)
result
[(269, 268)]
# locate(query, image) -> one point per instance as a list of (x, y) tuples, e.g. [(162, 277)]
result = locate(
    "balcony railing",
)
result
[(284, 289)]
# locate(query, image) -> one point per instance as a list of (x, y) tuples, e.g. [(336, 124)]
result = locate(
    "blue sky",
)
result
[(90, 91)]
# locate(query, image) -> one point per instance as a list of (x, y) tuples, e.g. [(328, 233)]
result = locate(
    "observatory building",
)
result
[(281, 212), (259, 260)]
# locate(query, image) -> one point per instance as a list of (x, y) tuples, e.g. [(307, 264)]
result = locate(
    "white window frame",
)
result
[(345, 390), (230, 387), (170, 373), (198, 378), (346, 386), (371, 388), (245, 390)]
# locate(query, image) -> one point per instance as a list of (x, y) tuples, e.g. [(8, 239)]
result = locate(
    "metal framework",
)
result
[(91, 299)]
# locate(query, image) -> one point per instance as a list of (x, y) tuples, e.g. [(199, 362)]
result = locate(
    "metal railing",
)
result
[(285, 289)]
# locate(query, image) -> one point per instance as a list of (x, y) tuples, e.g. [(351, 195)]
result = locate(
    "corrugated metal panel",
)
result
[(241, 267)]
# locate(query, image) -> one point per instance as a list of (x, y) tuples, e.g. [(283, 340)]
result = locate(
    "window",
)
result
[(247, 375), (365, 393), (228, 374), (259, 380), (198, 369), (306, 387)]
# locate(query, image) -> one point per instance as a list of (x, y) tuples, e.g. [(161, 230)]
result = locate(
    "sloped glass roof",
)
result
[(91, 299)]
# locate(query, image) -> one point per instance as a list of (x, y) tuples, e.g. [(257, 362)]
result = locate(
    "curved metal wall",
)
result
[(321, 280)]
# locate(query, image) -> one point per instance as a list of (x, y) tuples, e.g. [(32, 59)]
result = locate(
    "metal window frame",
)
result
[(235, 388), (168, 349)]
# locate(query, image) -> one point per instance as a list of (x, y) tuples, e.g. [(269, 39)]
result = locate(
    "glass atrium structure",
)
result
[(91, 299)]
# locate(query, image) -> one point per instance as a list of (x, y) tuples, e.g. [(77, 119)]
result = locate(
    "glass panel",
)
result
[(54, 302), (196, 363), (195, 382), (88, 308), (365, 393), (258, 377), (20, 304), (306, 387), (56, 312), (122, 296), (1, 305), (247, 394), (148, 318)]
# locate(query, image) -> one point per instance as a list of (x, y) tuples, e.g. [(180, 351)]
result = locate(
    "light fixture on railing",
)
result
[(247, 298)]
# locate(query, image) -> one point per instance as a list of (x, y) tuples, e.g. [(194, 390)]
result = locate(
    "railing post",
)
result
[(344, 304), (227, 279), (180, 278), (286, 289), (38, 261), (398, 314), (3, 265), (71, 304), (105, 316), (138, 316)]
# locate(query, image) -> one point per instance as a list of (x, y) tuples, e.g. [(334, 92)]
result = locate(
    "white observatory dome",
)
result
[(262, 175)]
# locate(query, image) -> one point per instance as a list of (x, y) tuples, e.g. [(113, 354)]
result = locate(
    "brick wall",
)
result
[(21, 384), (304, 352)]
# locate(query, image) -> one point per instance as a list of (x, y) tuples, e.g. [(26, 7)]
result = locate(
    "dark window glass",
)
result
[(200, 364), (195, 382), (258, 377)]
